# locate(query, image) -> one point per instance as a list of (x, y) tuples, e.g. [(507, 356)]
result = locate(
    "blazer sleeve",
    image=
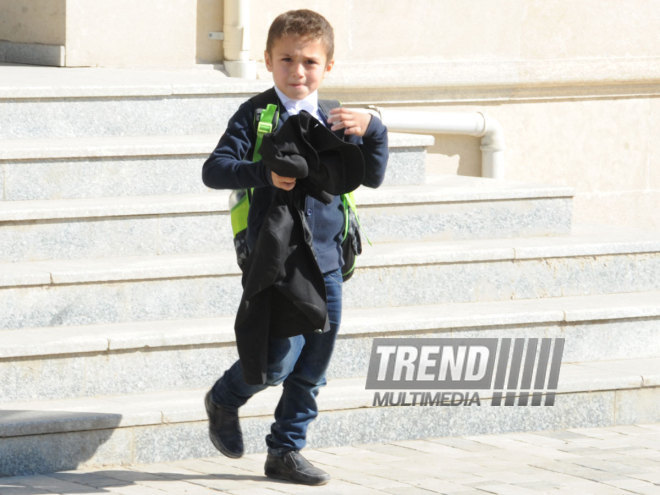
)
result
[(229, 166), (375, 149)]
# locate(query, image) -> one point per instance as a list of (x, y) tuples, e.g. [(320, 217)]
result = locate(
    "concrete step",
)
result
[(46, 436), (459, 207), (446, 207), (42, 102), (38, 82), (110, 227), (145, 357), (138, 112), (98, 167), (78, 292), (588, 262)]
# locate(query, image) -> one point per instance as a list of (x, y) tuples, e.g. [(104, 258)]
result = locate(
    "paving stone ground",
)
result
[(610, 460)]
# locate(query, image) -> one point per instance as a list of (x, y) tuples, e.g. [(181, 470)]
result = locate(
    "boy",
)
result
[(299, 53)]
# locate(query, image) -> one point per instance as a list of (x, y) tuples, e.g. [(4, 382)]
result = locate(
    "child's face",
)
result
[(298, 65)]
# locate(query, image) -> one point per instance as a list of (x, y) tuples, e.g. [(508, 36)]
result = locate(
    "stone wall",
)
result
[(33, 21), (110, 33), (480, 29)]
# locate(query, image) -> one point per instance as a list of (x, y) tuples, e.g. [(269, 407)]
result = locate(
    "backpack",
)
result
[(265, 121)]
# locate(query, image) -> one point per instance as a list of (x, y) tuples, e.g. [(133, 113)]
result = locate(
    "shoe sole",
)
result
[(222, 449), (283, 477)]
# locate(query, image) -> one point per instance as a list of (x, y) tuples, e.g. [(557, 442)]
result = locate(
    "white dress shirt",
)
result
[(309, 104)]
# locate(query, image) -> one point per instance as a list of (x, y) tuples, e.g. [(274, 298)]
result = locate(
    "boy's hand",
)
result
[(353, 121), (286, 183)]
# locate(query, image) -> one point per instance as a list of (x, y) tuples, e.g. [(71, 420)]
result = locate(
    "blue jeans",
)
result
[(299, 363)]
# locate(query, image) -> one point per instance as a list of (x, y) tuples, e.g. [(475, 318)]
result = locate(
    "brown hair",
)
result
[(305, 23)]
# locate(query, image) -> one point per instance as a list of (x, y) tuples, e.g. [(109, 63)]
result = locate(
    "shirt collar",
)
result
[(293, 107)]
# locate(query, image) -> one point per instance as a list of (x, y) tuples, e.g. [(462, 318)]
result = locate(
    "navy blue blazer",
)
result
[(230, 167)]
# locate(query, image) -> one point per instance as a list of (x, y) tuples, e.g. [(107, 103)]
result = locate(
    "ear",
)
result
[(269, 63), (329, 65)]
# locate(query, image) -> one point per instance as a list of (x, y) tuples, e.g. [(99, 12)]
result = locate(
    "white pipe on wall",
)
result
[(466, 123), (236, 28)]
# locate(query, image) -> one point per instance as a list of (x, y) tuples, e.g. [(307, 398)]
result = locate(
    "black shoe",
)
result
[(224, 428), (292, 466)]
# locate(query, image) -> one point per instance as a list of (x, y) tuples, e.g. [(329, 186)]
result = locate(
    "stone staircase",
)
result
[(118, 282)]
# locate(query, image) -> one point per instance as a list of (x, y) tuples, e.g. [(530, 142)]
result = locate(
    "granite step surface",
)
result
[(118, 115), (442, 207), (98, 167), (145, 357), (26, 82), (46, 436), (78, 292)]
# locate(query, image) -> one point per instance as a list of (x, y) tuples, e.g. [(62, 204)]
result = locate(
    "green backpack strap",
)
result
[(348, 201), (266, 121), (351, 242)]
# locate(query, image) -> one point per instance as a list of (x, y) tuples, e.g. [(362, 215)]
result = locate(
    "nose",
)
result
[(299, 70)]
